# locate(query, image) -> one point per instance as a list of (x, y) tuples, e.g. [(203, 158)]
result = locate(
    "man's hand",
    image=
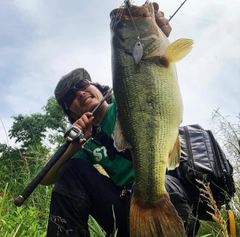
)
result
[(85, 124), (161, 21)]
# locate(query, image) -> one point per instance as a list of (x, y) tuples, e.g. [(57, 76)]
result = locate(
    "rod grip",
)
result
[(19, 201)]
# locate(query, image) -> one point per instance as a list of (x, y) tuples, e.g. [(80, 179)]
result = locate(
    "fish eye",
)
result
[(120, 24), (117, 23)]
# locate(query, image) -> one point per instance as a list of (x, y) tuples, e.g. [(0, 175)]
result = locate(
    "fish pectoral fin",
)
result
[(174, 156), (120, 142), (178, 50), (174, 53)]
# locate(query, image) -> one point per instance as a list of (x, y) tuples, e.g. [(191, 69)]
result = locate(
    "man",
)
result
[(80, 190)]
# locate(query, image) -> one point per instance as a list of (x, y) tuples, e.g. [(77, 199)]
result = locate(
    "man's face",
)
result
[(85, 100)]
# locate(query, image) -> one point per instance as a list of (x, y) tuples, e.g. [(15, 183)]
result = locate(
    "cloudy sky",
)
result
[(41, 40)]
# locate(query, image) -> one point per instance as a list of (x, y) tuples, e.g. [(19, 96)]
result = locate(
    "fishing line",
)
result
[(137, 52), (117, 17), (127, 3)]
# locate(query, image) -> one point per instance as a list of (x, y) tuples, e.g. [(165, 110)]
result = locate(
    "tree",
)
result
[(32, 132), (28, 129), (36, 128), (55, 121)]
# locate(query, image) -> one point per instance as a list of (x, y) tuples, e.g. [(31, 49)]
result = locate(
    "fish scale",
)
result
[(142, 127)]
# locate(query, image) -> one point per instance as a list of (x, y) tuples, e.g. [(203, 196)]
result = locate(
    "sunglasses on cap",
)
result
[(71, 95)]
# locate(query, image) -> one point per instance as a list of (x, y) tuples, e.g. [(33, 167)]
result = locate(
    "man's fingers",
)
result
[(163, 23), (156, 7), (85, 122), (166, 30)]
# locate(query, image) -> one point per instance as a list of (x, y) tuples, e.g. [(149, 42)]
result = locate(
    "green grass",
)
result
[(27, 220), (30, 220)]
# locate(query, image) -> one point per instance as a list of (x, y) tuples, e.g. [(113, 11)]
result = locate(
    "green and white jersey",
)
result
[(120, 170)]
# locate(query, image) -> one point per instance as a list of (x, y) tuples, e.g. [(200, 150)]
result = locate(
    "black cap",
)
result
[(68, 81)]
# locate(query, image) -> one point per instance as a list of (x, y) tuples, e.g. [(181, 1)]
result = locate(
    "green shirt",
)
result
[(120, 170)]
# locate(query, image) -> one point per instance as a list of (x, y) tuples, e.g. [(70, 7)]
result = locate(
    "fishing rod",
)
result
[(177, 10), (73, 134)]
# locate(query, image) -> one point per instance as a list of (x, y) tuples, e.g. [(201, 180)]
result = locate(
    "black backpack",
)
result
[(203, 159)]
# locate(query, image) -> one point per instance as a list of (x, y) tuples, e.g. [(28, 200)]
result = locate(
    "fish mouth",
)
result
[(131, 12), (135, 31)]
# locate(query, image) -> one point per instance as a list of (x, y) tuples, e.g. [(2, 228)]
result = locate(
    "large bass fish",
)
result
[(149, 111)]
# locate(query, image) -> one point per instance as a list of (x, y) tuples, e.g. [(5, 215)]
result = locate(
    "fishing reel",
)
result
[(74, 135)]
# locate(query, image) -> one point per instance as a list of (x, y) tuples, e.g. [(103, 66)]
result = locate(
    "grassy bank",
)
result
[(30, 220)]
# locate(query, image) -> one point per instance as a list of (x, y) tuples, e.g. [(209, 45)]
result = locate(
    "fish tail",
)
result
[(161, 220)]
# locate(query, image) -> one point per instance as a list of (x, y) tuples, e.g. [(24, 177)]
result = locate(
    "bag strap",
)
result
[(101, 138)]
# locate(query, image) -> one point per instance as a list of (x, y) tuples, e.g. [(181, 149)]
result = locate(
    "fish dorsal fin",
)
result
[(178, 50), (120, 142)]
